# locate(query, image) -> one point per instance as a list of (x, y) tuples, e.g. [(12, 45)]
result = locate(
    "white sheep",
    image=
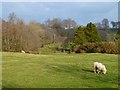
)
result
[(22, 51), (99, 68)]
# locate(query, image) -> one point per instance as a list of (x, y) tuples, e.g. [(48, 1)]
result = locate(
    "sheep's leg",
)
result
[(98, 71), (95, 69)]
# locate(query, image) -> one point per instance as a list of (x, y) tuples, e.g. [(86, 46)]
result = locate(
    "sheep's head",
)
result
[(104, 71)]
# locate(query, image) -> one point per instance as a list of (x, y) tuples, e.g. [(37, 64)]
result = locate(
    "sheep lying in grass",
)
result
[(99, 68), (22, 51)]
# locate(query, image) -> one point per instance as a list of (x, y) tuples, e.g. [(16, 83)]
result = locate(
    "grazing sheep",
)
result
[(22, 51), (99, 68)]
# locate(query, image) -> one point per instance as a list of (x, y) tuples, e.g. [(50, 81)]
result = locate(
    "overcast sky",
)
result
[(81, 12)]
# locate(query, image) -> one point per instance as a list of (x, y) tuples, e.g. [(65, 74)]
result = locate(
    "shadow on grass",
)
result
[(86, 70), (72, 69)]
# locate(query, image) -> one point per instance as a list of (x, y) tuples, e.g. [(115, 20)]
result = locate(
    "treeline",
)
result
[(17, 35), (55, 34), (107, 29), (94, 39)]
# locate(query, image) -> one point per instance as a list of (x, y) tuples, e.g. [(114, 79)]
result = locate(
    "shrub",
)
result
[(99, 47), (48, 49), (109, 47), (76, 49)]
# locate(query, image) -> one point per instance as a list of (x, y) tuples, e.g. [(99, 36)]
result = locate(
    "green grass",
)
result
[(58, 71)]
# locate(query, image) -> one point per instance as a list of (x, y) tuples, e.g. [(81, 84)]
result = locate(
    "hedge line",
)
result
[(99, 47)]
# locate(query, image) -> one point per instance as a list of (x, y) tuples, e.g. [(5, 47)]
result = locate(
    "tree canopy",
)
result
[(86, 34)]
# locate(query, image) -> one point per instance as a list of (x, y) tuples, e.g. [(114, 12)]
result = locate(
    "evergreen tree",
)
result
[(86, 34), (91, 33), (79, 37)]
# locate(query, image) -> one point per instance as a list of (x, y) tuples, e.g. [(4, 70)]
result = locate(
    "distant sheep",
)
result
[(99, 68), (22, 51)]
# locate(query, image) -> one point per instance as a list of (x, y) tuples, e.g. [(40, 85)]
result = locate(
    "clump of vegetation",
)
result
[(87, 40), (86, 34), (48, 49), (99, 47), (91, 33)]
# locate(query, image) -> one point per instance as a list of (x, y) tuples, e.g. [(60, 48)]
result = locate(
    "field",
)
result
[(58, 70)]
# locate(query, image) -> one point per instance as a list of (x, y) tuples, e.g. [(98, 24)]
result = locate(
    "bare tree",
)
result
[(69, 24), (114, 24), (12, 18), (98, 25), (105, 24)]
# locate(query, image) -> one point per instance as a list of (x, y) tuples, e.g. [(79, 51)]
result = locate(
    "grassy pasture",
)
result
[(58, 70)]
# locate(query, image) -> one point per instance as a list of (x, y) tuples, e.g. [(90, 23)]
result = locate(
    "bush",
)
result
[(99, 47), (109, 47), (48, 49)]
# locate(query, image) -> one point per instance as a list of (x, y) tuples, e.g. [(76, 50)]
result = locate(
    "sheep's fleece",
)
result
[(99, 68)]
